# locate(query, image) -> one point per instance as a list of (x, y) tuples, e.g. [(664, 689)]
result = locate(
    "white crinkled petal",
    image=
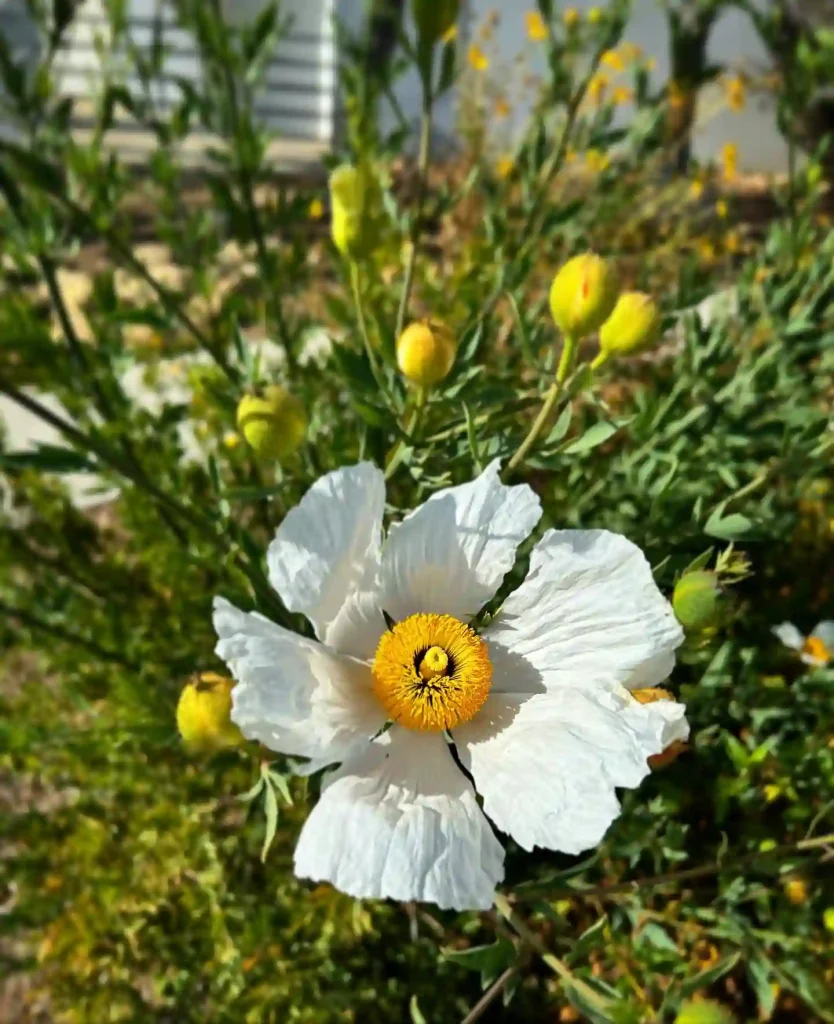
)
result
[(325, 557), (450, 555), (824, 631), (401, 821), (588, 614), (789, 635), (293, 694), (547, 765)]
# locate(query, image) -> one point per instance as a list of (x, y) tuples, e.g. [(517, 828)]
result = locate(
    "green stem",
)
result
[(413, 424), (502, 905), (423, 158), (564, 368), (356, 290), (687, 875)]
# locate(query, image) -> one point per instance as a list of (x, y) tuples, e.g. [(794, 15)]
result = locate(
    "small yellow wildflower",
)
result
[(736, 93), (772, 792), (796, 889), (502, 108), (595, 15), (536, 28), (622, 94), (729, 160), (450, 34), (706, 250), (630, 52), (722, 209), (231, 440), (596, 161), (732, 242), (504, 167), (612, 59), (477, 58), (316, 209), (597, 87), (696, 189), (570, 16)]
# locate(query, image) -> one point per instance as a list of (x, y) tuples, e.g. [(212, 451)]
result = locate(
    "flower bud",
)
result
[(204, 714), (582, 295), (434, 18), (703, 1011), (426, 352), (696, 599), (353, 200), (796, 889), (633, 326), (273, 424), (828, 919)]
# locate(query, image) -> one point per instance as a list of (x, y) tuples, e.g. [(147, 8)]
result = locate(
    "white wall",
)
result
[(734, 41)]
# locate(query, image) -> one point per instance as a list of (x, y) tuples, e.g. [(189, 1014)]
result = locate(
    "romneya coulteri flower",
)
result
[(420, 707)]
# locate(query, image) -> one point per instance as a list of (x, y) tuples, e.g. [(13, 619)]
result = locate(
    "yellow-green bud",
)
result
[(426, 352), (704, 1011), (204, 714), (696, 598), (354, 198), (274, 424), (828, 919), (434, 18), (633, 327), (582, 295)]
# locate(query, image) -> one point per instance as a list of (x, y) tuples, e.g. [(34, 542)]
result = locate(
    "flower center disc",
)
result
[(815, 648), (431, 672)]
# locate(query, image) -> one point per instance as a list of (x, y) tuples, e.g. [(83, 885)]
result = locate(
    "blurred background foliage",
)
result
[(131, 881)]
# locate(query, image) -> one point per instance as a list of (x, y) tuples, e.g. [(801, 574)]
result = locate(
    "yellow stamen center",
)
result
[(435, 662), (431, 672), (816, 649)]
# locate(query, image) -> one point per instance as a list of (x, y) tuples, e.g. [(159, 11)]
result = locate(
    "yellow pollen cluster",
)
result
[(815, 648), (431, 672)]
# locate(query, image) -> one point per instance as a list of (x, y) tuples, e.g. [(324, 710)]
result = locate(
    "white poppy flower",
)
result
[(534, 712), (817, 649)]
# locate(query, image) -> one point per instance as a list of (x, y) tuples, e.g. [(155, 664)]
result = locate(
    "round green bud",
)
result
[(582, 295), (355, 203), (704, 1011), (204, 714), (828, 919), (274, 424), (426, 352), (696, 599), (434, 18), (633, 326)]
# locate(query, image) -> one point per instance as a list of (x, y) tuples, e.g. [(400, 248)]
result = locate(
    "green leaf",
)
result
[(489, 960), (730, 527), (588, 940), (415, 1012), (271, 808), (760, 972), (48, 458), (598, 434), (704, 979), (560, 427)]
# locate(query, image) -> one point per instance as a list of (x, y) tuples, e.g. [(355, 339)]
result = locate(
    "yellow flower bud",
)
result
[(633, 326), (426, 352), (203, 714), (703, 1011), (434, 18), (828, 919), (796, 889), (354, 202), (274, 424), (695, 599), (582, 295)]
